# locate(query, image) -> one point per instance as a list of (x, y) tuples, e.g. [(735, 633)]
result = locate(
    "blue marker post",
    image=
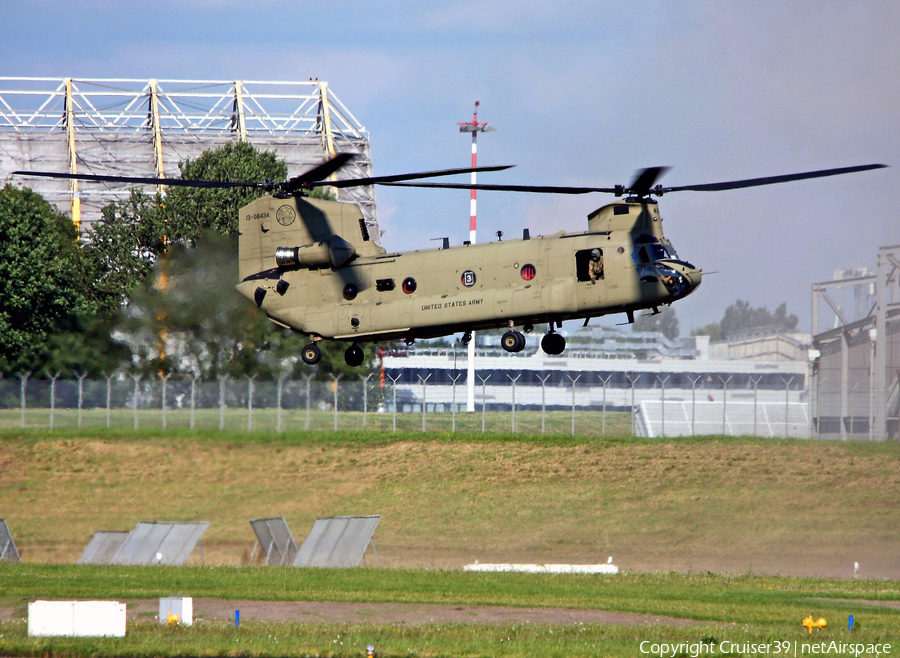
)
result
[(237, 618), (850, 623)]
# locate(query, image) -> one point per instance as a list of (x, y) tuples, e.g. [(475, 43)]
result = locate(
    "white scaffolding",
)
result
[(132, 127)]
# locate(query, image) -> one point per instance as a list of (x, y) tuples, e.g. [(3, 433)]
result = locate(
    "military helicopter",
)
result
[(312, 266)]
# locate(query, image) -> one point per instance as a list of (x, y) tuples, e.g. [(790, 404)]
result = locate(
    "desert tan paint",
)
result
[(458, 289)]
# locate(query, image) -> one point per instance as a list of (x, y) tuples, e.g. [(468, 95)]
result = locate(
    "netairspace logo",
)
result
[(784, 648)]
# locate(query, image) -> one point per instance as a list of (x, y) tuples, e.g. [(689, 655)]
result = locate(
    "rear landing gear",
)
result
[(354, 356), (513, 341), (311, 354), (553, 343)]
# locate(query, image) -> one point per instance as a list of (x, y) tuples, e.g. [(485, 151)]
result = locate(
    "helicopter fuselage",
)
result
[(310, 265)]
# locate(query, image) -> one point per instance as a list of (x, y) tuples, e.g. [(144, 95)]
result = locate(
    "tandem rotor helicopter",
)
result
[(312, 266)]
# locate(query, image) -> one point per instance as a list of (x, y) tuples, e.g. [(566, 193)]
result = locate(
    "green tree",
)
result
[(44, 279), (195, 323), (186, 316), (741, 318), (90, 350), (136, 232), (189, 210), (664, 322), (124, 245)]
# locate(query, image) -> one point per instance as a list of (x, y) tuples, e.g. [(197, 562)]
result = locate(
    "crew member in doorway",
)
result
[(596, 265)]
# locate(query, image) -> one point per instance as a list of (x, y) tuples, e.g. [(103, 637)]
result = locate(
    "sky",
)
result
[(581, 92)]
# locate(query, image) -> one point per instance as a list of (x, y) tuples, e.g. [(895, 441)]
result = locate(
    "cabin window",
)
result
[(589, 264), (620, 209)]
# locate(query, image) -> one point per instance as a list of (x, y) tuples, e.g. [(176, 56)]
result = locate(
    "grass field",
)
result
[(724, 611), (587, 423), (715, 530)]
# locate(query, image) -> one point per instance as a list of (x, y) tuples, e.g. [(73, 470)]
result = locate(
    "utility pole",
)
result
[(473, 127)]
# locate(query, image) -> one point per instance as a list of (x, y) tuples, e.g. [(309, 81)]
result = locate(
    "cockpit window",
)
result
[(652, 251), (640, 255), (661, 251)]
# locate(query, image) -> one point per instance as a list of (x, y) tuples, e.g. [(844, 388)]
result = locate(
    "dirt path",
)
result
[(414, 614)]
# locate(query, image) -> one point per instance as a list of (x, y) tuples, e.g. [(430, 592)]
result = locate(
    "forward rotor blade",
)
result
[(138, 180), (539, 189), (770, 180), (386, 180)]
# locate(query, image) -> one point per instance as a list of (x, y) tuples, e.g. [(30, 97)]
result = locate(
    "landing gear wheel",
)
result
[(354, 356), (311, 354), (513, 341), (553, 344)]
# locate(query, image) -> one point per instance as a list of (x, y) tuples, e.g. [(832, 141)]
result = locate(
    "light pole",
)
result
[(473, 127)]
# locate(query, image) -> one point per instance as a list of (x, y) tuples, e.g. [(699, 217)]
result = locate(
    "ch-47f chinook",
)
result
[(311, 265)]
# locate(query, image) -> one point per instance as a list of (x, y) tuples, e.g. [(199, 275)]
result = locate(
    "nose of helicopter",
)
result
[(694, 276), (679, 277)]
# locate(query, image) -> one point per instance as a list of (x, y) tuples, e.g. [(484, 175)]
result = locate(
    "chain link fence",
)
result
[(578, 407)]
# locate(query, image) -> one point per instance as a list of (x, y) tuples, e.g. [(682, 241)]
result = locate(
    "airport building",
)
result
[(615, 369)]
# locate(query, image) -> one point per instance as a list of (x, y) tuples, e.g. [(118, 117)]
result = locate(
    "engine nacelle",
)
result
[(335, 253)]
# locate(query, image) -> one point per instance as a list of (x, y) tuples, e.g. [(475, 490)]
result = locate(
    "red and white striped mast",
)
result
[(473, 127)]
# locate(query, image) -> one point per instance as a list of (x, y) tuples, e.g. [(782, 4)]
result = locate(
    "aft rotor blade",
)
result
[(138, 180), (539, 189), (317, 173), (396, 178), (645, 179), (770, 180)]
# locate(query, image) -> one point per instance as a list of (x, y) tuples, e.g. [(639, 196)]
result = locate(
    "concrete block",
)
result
[(76, 619)]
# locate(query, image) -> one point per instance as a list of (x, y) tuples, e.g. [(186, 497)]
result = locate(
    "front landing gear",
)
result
[(311, 354), (513, 341), (354, 356)]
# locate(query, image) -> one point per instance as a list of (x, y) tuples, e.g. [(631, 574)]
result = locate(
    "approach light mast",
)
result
[(473, 127)]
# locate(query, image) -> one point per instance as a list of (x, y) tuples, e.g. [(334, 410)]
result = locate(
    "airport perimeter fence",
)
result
[(284, 405), (581, 407)]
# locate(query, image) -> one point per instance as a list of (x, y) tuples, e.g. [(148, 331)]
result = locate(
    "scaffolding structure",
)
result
[(131, 127), (856, 377)]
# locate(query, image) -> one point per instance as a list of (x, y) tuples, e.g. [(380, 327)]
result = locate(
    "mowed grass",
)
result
[(736, 609), (696, 524)]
